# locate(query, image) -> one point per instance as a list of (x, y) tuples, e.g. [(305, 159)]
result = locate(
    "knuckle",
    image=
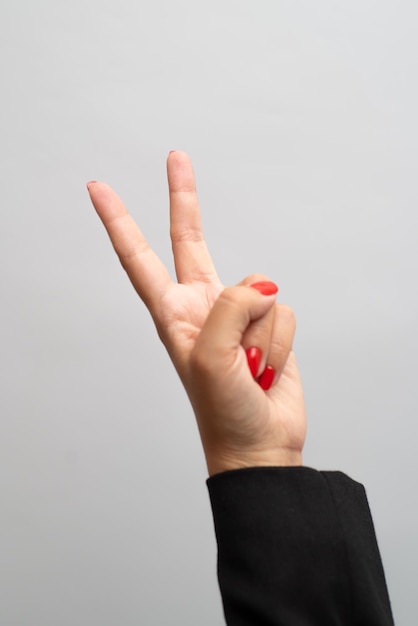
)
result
[(287, 313), (254, 278), (186, 235), (129, 254), (229, 295), (233, 299)]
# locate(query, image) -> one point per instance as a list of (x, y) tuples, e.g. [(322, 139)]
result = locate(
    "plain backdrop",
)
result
[(300, 118)]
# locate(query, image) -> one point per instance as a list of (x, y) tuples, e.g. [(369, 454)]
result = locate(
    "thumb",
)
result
[(221, 336)]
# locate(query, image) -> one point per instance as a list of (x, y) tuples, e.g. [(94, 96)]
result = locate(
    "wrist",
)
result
[(218, 462)]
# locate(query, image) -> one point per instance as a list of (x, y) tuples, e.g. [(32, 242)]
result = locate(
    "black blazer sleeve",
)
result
[(297, 547)]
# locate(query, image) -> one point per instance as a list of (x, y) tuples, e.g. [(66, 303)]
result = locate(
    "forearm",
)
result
[(296, 546)]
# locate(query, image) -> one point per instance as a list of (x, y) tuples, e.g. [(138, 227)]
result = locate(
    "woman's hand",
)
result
[(240, 424)]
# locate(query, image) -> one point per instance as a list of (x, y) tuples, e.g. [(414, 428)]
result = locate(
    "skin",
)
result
[(206, 330)]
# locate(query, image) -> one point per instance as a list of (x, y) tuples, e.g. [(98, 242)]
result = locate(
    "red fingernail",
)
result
[(253, 358), (266, 379), (266, 287)]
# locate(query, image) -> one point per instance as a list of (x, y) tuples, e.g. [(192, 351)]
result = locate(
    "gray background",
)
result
[(300, 118)]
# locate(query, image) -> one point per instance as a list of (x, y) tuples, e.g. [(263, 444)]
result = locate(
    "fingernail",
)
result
[(266, 287), (171, 151), (90, 183), (266, 379), (253, 358)]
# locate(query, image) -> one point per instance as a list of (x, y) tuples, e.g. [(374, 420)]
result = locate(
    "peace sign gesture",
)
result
[(207, 330)]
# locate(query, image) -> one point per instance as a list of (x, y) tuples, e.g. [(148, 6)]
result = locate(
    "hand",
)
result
[(275, 425)]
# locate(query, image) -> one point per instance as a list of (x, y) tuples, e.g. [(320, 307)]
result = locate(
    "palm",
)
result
[(182, 314)]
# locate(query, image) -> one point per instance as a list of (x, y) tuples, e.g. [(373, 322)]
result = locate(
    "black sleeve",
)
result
[(297, 547)]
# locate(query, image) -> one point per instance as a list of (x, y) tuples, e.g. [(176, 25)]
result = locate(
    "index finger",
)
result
[(146, 272)]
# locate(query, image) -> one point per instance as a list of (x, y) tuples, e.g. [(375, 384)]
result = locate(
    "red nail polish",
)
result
[(266, 379), (253, 358), (266, 287)]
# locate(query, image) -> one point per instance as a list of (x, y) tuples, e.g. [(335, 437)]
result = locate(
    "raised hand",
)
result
[(271, 430), (179, 309)]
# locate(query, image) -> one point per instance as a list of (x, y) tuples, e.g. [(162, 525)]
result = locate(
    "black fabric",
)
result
[(296, 547)]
